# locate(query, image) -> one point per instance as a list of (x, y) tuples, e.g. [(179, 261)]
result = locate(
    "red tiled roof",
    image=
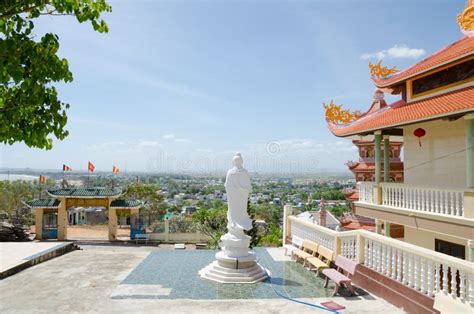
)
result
[(457, 50), (354, 222), (370, 167), (400, 113), (353, 196)]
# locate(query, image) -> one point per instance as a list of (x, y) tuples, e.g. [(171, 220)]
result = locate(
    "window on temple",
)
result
[(456, 74), (451, 249)]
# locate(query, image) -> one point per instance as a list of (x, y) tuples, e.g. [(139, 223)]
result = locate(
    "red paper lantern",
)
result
[(419, 133)]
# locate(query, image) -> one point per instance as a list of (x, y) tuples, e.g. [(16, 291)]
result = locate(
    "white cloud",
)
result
[(144, 143), (182, 140), (204, 150), (396, 52), (172, 137), (168, 136)]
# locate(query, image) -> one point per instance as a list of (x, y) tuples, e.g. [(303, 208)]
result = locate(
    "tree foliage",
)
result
[(30, 110), (148, 194), (331, 194), (273, 237), (253, 233), (339, 210), (14, 193), (211, 222)]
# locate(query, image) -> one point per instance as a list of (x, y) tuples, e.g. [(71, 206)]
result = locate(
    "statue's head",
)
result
[(238, 161)]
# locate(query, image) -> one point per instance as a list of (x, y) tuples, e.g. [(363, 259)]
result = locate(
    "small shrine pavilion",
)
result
[(51, 215), (364, 169)]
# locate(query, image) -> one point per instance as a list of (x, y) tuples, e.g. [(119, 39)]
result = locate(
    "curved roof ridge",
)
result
[(410, 71), (399, 113)]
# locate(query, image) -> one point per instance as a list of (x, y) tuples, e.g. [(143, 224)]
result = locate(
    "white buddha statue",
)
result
[(238, 187), (236, 263)]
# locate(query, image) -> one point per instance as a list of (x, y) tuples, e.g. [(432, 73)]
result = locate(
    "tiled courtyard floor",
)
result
[(148, 279), (177, 273)]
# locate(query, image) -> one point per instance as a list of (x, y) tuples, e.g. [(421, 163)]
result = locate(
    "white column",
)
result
[(378, 155), (386, 158), (287, 211), (470, 151)]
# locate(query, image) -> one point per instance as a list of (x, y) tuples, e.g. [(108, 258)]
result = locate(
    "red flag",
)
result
[(66, 168), (90, 167), (42, 179), (115, 170)]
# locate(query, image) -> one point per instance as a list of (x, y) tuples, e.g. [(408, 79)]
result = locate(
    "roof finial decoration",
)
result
[(379, 71), (466, 18), (337, 115)]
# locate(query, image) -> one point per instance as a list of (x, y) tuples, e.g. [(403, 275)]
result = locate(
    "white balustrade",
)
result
[(366, 192), (426, 271), (310, 231), (349, 247), (430, 200)]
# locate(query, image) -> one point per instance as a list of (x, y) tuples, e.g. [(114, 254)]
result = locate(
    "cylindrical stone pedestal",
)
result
[(235, 264)]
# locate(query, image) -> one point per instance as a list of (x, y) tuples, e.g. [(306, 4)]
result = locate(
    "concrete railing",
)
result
[(432, 200), (366, 192), (165, 232), (424, 270), (310, 231), (421, 199)]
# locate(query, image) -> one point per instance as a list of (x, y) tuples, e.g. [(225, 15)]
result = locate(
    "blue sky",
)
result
[(182, 85)]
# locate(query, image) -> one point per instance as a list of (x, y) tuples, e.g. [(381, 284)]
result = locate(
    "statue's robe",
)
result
[(238, 187)]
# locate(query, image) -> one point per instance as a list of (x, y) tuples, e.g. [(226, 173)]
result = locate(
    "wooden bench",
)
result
[(142, 236), (337, 275), (323, 259), (296, 243), (309, 249)]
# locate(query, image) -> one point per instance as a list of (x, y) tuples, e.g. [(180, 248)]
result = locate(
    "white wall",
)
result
[(426, 239), (423, 165)]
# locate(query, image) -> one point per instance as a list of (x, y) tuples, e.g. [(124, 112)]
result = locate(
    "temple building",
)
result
[(364, 169), (435, 118)]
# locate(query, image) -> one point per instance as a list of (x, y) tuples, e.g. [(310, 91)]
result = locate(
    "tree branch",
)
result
[(20, 10)]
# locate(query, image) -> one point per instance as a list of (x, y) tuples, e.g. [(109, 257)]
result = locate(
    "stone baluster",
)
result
[(379, 257), (453, 282), (462, 286), (405, 273), (436, 201), (399, 265), (437, 282), (383, 251), (400, 196), (445, 278), (442, 202), (392, 196), (410, 270), (415, 198), (422, 275), (394, 263), (416, 272), (367, 256), (355, 249), (432, 203), (430, 276), (470, 286), (455, 204), (388, 260)]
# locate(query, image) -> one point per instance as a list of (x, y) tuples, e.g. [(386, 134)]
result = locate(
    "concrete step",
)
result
[(223, 275), (221, 272), (226, 279)]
